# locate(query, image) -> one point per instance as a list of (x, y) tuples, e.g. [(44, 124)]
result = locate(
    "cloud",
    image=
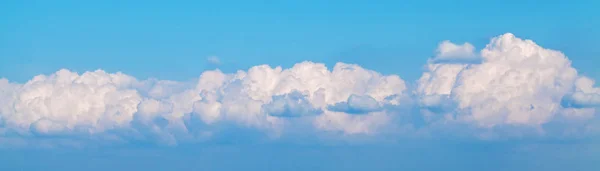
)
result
[(582, 100), (517, 88), (95, 100), (448, 52), (518, 83), (437, 103), (585, 94), (100, 104), (357, 104), (293, 104), (214, 60)]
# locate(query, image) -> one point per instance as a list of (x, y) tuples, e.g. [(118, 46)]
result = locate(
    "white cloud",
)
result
[(585, 94), (96, 101), (99, 103), (448, 52), (515, 83)]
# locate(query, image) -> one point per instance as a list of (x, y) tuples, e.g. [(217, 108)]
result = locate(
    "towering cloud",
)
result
[(517, 83)]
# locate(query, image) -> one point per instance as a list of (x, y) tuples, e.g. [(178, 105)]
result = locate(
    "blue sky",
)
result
[(172, 40), (407, 120)]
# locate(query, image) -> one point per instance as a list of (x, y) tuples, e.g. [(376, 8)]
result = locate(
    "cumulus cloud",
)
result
[(585, 95), (448, 52), (357, 104), (92, 102), (515, 83), (293, 104), (99, 103)]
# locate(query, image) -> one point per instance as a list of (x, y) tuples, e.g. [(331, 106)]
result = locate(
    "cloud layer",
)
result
[(510, 83)]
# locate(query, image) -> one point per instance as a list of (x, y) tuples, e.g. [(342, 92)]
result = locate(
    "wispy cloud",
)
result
[(214, 60)]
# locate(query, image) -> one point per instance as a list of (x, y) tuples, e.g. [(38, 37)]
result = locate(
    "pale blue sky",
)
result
[(172, 40)]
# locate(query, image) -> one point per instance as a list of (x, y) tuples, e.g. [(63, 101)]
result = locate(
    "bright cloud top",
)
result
[(515, 82)]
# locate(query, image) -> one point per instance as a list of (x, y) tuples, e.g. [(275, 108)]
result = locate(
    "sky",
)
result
[(299, 85)]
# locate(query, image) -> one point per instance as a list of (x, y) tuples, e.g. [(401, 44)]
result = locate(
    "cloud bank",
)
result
[(511, 83)]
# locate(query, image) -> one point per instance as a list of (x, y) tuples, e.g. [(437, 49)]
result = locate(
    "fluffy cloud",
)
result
[(585, 95), (65, 101), (99, 103), (517, 83), (513, 83), (448, 52)]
